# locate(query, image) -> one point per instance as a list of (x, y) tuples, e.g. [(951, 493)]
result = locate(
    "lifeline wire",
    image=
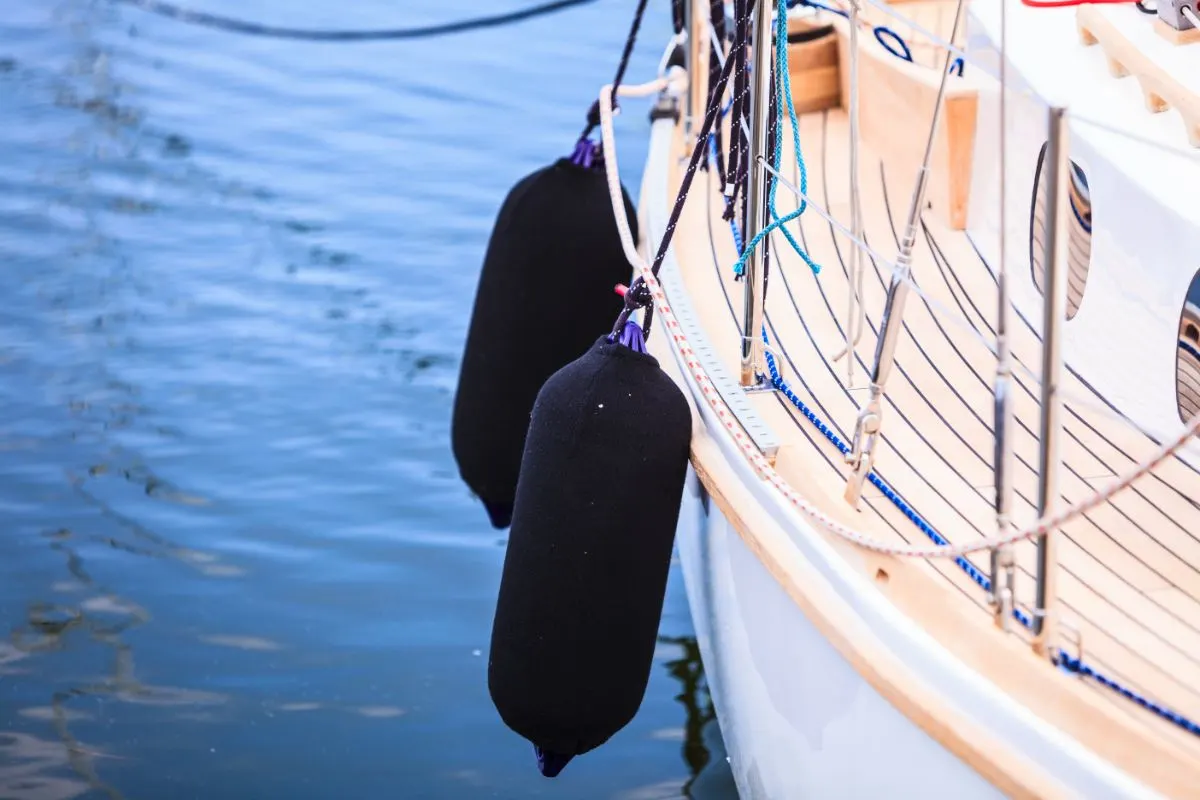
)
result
[(232, 25), (944, 311)]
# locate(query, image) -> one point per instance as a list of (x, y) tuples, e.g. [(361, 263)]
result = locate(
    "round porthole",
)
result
[(1079, 247), (1187, 354)]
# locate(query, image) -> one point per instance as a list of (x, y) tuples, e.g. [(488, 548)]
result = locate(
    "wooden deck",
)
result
[(1129, 581)]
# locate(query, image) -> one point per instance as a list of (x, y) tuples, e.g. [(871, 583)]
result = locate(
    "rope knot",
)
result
[(636, 296), (593, 115)]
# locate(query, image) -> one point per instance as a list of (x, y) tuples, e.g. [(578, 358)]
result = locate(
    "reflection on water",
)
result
[(703, 750), (36, 769), (694, 697), (103, 617), (235, 557)]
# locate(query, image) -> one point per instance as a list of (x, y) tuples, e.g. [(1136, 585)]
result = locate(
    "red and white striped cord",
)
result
[(751, 452)]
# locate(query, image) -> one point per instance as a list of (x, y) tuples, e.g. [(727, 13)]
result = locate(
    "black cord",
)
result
[(1142, 7), (593, 115), (678, 15), (255, 29), (629, 42)]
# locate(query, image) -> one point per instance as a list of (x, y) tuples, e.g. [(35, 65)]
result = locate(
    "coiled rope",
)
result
[(232, 25)]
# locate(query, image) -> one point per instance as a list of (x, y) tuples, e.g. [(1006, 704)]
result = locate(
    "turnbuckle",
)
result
[(861, 457), (1004, 583)]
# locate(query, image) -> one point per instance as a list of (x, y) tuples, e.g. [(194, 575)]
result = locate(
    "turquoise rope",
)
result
[(783, 89)]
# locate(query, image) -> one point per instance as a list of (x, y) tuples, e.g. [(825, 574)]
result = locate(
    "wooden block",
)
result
[(813, 67), (1190, 36), (891, 90), (1155, 104), (1160, 89)]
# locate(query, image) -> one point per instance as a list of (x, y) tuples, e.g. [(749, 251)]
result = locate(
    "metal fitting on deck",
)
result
[(1172, 13)]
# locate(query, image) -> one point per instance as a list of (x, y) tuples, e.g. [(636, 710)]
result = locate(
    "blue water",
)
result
[(236, 560)]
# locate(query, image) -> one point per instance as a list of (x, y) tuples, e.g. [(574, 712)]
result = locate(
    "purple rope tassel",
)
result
[(550, 764), (585, 153), (633, 338)]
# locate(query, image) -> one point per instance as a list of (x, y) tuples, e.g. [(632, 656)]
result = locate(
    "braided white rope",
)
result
[(641, 89), (761, 465)]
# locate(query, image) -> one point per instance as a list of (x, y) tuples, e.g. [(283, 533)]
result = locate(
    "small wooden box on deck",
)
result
[(896, 100)]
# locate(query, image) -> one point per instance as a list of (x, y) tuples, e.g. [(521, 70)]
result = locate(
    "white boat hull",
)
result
[(798, 719)]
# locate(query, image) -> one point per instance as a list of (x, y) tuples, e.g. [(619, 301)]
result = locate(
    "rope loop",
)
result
[(636, 296), (904, 52)]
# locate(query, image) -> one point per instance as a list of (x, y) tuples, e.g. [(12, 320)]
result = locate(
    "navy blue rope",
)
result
[(904, 52), (1078, 667), (879, 483)]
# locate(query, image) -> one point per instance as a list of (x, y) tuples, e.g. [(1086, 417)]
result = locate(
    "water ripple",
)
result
[(237, 274)]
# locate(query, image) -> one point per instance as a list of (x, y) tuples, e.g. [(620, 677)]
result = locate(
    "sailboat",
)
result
[(937, 322)]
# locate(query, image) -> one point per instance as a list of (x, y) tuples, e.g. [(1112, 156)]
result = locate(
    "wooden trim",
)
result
[(1160, 90), (814, 70), (997, 657), (1176, 37), (993, 759), (891, 90)]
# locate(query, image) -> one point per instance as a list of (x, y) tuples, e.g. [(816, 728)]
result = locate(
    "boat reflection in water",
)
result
[(703, 748)]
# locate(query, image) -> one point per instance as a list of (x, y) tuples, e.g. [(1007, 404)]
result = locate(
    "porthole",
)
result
[(1187, 354), (1079, 233)]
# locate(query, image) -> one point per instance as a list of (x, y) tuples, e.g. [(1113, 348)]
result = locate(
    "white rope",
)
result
[(945, 312), (751, 452), (644, 89), (855, 322), (677, 40)]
